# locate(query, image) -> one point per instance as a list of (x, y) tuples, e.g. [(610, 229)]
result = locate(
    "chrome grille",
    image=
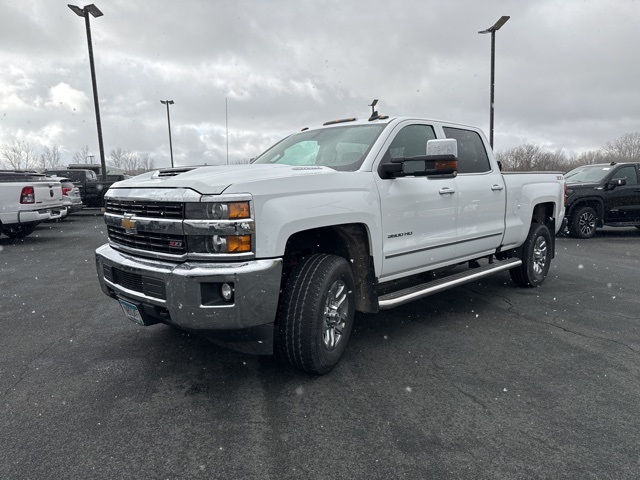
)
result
[(151, 241), (145, 209)]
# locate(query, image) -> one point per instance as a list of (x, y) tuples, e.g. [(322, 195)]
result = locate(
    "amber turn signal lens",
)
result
[(238, 244), (446, 164), (239, 210)]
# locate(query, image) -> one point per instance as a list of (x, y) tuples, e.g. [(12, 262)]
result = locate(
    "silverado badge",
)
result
[(129, 224)]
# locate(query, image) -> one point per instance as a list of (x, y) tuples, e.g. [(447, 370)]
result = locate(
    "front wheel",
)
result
[(583, 222), (316, 313), (18, 230), (536, 258)]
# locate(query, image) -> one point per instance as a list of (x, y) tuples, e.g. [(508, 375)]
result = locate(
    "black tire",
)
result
[(316, 312), (18, 230), (536, 258), (583, 222)]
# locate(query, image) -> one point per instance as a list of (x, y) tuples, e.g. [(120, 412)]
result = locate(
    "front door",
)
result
[(623, 202), (418, 213)]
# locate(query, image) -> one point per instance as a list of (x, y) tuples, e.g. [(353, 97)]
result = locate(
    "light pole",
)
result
[(167, 103), (493, 31), (85, 12), (226, 121)]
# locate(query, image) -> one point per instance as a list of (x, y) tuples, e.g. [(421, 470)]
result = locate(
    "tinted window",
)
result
[(629, 172), (472, 156), (411, 141)]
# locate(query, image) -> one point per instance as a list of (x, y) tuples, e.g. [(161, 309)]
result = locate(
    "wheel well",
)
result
[(350, 241), (544, 213), (597, 205)]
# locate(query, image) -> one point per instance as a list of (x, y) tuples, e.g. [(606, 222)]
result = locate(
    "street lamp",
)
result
[(84, 12), (167, 103), (493, 31)]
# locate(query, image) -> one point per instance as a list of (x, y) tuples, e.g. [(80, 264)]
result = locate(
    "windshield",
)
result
[(588, 174), (341, 148)]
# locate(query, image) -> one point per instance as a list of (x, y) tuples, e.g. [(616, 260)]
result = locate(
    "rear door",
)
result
[(418, 213), (481, 196)]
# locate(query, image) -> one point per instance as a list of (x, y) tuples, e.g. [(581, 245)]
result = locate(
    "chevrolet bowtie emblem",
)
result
[(129, 224)]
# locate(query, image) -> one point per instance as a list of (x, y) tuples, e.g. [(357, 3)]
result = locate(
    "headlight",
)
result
[(218, 210)]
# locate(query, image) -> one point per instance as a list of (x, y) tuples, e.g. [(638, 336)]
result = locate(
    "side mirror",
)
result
[(448, 146), (441, 160), (617, 182)]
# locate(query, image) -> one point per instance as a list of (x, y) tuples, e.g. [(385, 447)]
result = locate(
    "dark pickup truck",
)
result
[(92, 189), (602, 194)]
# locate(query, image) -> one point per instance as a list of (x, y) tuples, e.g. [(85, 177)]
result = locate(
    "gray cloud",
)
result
[(565, 71)]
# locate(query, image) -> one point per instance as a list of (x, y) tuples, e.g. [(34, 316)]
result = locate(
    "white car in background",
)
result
[(71, 198)]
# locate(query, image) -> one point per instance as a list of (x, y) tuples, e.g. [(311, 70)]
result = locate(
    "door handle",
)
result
[(497, 188), (446, 191)]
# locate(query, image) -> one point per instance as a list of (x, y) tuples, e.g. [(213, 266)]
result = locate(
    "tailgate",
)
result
[(47, 194)]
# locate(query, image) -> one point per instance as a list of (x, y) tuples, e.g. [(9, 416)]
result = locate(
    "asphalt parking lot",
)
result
[(483, 381)]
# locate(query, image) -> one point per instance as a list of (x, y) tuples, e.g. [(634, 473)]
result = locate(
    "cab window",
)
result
[(411, 141), (629, 172), (472, 156)]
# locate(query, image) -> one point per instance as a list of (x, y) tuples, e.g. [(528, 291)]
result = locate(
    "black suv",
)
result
[(602, 194)]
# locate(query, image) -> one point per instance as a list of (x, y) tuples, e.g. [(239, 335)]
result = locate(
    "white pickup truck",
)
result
[(26, 199), (276, 256)]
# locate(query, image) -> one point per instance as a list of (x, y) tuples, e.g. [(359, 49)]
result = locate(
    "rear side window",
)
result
[(472, 156)]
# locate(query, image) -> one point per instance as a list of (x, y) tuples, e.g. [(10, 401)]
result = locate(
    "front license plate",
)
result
[(131, 312)]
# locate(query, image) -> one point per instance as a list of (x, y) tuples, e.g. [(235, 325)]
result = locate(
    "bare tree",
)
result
[(586, 158), (530, 157), (518, 159), (130, 162), (145, 164), (82, 155), (19, 155), (624, 149), (50, 157)]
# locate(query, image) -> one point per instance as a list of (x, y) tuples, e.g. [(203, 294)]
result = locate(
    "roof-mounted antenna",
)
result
[(374, 114)]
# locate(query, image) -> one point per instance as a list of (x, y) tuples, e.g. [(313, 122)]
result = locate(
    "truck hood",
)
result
[(214, 180)]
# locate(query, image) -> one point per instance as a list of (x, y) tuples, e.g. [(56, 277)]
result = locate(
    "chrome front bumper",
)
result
[(187, 295)]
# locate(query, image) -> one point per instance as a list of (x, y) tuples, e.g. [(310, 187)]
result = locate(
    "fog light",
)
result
[(226, 290)]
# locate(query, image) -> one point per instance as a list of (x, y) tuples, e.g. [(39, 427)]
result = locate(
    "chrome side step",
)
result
[(407, 295)]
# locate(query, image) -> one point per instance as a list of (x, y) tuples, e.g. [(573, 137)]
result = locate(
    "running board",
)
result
[(407, 295)]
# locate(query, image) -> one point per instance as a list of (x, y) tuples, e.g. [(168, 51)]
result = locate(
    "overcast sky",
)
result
[(567, 71)]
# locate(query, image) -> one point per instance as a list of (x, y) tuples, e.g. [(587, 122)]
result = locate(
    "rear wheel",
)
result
[(583, 222), (18, 230), (316, 313), (536, 258)]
